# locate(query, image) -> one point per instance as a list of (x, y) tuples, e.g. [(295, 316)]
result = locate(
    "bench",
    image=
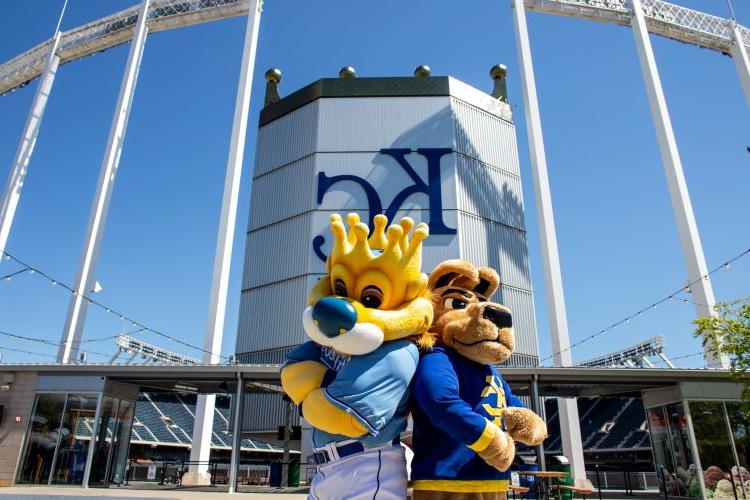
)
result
[(517, 489), (584, 492)]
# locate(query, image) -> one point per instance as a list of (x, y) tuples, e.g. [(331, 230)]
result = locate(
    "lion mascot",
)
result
[(465, 416), (366, 318)]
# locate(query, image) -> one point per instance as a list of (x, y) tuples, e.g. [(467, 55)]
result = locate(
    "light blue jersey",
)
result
[(373, 387)]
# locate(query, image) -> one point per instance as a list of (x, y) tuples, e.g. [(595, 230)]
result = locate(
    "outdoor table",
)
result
[(543, 485)]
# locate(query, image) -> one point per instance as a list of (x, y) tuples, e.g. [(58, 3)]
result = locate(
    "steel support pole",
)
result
[(536, 406), (738, 52), (26, 145), (287, 438), (569, 424), (202, 429), (235, 461), (703, 294), (86, 278)]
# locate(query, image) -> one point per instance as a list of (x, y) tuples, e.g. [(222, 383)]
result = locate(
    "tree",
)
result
[(728, 333)]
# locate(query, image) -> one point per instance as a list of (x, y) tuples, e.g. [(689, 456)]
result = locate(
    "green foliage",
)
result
[(728, 333)]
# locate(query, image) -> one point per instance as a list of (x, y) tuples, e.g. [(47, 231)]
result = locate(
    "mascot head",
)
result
[(465, 319), (375, 290)]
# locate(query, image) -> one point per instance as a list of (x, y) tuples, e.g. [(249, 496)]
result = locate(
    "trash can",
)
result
[(562, 464), (528, 481), (294, 474), (274, 481), (276, 473)]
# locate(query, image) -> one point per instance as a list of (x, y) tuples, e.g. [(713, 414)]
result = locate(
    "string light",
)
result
[(655, 305), (46, 342), (687, 355), (3, 348), (109, 309)]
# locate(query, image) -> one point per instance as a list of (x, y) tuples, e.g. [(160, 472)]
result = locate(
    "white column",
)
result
[(201, 448), (558, 322), (26, 144), (703, 294), (741, 60), (86, 278)]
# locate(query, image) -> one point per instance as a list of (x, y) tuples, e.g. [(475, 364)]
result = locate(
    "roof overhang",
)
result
[(565, 382)]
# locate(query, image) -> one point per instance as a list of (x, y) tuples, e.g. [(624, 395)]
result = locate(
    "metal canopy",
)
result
[(563, 382)]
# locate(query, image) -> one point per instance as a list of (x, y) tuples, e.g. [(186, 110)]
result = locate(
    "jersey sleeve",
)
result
[(371, 387), (309, 351), (436, 392), (510, 398)]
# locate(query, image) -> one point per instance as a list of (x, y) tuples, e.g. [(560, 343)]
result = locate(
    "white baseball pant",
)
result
[(373, 475)]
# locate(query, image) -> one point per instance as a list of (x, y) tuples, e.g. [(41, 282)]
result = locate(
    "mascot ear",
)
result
[(489, 281), (447, 271)]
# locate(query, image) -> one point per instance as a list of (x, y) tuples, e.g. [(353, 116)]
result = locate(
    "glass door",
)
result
[(112, 442), (42, 439), (75, 437)]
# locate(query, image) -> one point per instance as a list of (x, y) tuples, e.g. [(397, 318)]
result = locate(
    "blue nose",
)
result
[(334, 316)]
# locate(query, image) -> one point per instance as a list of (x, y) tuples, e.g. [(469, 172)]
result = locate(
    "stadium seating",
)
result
[(606, 424), (169, 418)]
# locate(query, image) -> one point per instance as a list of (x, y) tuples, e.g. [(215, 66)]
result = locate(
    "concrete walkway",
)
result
[(73, 493)]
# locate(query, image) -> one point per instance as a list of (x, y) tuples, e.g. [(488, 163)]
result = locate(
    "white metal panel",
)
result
[(279, 251), (489, 192), (487, 243), (287, 139), (485, 137), (292, 189), (283, 193), (265, 412), (521, 304), (271, 315), (373, 123)]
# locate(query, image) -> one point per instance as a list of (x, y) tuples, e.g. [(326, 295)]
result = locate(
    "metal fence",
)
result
[(623, 480)]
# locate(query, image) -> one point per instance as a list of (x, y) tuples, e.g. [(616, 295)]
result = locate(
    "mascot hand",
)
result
[(300, 379), (500, 452), (525, 426)]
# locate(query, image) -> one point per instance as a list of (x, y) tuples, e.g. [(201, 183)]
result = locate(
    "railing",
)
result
[(623, 480)]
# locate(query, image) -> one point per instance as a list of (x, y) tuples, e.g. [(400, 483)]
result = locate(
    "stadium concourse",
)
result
[(144, 415)]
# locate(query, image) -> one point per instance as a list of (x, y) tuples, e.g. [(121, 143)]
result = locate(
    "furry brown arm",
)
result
[(525, 426)]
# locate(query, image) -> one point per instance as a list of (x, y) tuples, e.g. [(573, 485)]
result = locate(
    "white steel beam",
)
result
[(683, 209), (201, 449), (86, 278), (738, 52), (30, 132), (569, 422)]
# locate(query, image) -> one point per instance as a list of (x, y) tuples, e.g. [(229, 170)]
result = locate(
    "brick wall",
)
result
[(16, 402)]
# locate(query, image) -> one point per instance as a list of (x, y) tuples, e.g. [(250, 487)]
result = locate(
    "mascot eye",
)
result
[(339, 288), (371, 297), (451, 303)]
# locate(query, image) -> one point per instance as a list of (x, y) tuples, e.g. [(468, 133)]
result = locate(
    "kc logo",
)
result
[(431, 188)]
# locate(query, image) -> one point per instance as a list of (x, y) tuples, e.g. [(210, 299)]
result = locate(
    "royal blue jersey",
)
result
[(372, 387), (452, 400)]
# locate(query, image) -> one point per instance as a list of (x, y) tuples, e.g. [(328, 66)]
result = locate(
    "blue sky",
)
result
[(618, 242)]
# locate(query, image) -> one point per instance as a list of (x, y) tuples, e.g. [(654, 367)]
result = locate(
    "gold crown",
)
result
[(397, 255)]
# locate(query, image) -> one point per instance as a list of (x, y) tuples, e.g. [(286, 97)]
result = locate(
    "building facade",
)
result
[(431, 148)]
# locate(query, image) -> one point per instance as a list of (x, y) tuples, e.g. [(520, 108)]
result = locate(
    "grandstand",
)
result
[(163, 426), (613, 431)]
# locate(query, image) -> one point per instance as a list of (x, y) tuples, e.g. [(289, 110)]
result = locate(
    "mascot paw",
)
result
[(300, 379), (525, 426), (500, 452)]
